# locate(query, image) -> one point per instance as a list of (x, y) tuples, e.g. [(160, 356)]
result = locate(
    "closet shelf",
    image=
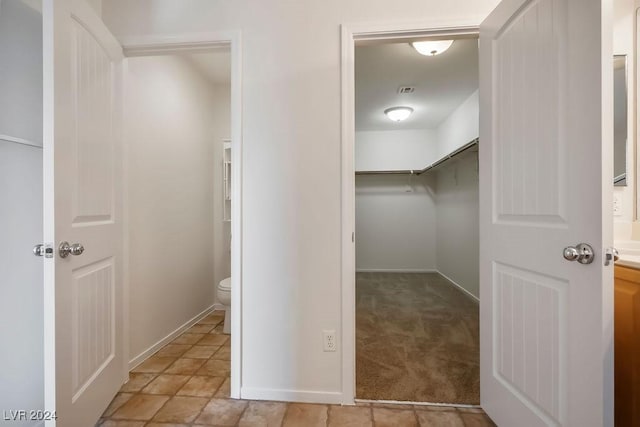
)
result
[(454, 153)]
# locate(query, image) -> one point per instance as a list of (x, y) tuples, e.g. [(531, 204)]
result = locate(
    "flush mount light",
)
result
[(398, 114), (432, 48)]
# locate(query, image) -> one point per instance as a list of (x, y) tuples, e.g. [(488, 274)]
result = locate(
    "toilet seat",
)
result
[(225, 284)]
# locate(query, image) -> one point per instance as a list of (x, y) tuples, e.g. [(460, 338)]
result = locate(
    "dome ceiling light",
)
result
[(398, 114), (432, 48)]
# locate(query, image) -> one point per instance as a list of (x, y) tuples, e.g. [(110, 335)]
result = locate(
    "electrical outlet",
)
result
[(617, 204), (329, 340)]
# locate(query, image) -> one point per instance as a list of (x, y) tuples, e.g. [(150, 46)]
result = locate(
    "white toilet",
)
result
[(224, 297)]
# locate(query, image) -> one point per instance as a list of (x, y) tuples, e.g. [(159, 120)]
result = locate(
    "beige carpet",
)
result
[(417, 339)]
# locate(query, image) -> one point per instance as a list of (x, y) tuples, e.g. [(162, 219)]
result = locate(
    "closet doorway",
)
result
[(416, 220), (537, 306)]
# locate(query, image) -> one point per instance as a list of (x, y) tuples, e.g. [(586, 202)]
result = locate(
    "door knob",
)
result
[(582, 252), (65, 249)]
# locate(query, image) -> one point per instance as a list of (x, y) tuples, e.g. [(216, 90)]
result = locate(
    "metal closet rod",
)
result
[(462, 149)]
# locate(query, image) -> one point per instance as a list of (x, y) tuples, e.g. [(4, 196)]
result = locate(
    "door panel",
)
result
[(544, 155), (85, 364), (93, 317), (530, 342), (92, 94), (529, 146)]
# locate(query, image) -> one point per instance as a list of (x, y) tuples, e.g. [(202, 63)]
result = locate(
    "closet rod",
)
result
[(398, 172), (460, 150)]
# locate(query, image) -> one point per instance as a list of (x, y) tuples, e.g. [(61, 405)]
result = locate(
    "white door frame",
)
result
[(350, 34), (198, 42)]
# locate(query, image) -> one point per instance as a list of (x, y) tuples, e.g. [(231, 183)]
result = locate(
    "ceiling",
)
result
[(215, 65), (442, 83)]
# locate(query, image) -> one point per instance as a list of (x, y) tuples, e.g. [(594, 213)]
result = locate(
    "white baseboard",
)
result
[(173, 335), (459, 287), (218, 307), (396, 270), (251, 393)]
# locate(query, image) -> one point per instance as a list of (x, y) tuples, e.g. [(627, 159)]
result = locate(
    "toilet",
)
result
[(224, 297)]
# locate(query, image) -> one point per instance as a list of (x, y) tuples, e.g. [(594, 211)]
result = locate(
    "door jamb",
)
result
[(350, 33), (198, 42)]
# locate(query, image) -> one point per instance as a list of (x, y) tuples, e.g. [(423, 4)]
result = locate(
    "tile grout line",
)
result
[(373, 423), (326, 423), (243, 411), (284, 416)]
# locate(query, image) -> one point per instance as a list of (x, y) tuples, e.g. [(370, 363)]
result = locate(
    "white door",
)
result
[(546, 157), (84, 364)]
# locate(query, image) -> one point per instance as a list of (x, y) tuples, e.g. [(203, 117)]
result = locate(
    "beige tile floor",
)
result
[(187, 384)]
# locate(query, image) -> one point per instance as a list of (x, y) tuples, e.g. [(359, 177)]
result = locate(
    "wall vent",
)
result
[(406, 89)]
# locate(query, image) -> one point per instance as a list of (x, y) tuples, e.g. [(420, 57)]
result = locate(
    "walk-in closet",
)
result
[(416, 186)]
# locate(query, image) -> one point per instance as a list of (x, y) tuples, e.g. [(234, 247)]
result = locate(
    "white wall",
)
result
[(21, 273), (461, 127), (171, 142), (457, 222), (291, 170), (395, 223), (395, 149), (221, 124)]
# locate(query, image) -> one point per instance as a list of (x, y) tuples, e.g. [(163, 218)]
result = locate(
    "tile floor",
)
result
[(187, 384)]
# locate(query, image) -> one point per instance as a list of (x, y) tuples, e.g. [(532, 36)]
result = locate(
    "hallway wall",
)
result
[(170, 140)]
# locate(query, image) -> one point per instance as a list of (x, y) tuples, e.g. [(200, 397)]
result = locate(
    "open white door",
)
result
[(84, 365), (546, 159)]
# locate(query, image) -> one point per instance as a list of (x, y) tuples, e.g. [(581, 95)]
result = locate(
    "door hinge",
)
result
[(353, 236), (43, 249)]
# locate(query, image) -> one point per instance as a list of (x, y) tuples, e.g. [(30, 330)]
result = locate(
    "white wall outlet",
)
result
[(617, 204), (329, 340)]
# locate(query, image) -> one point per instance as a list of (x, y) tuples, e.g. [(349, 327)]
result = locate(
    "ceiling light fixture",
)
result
[(398, 114), (432, 48)]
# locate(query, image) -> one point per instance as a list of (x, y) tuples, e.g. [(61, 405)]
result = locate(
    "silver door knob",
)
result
[(582, 252), (65, 249)]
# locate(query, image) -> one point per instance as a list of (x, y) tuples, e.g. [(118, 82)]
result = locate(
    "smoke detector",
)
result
[(406, 89)]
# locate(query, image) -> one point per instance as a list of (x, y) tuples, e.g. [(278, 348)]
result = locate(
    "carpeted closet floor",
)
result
[(417, 339)]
